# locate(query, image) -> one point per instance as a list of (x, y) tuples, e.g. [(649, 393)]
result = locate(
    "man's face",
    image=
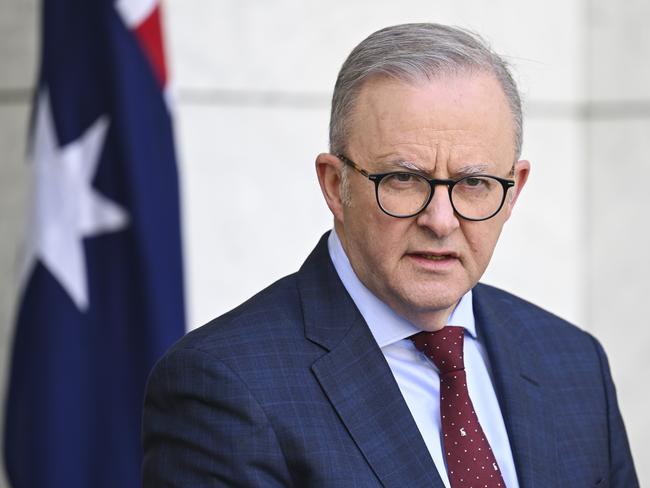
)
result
[(445, 128)]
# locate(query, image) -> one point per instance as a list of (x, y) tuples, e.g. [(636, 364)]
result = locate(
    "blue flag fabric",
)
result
[(102, 290)]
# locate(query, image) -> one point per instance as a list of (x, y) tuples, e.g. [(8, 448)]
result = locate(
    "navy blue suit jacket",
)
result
[(290, 389)]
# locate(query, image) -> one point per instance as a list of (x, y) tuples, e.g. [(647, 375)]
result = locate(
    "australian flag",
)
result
[(101, 293)]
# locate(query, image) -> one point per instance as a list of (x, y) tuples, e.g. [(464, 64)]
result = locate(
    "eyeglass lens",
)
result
[(473, 197)]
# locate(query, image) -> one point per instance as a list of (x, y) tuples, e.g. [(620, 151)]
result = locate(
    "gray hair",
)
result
[(412, 52)]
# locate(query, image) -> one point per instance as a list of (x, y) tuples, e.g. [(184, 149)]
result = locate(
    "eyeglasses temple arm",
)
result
[(353, 165)]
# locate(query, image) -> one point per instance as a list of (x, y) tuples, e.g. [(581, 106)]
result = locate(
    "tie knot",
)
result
[(444, 347)]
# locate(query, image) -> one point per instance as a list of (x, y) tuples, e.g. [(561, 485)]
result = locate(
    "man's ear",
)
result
[(521, 172), (328, 169)]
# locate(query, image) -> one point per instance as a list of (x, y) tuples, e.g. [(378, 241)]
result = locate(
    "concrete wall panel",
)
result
[(252, 204), (620, 265), (293, 46)]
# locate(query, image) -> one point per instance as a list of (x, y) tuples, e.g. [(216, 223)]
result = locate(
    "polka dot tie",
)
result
[(470, 460)]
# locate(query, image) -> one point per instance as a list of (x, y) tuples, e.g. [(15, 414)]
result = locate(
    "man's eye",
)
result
[(403, 177), (402, 182), (474, 181)]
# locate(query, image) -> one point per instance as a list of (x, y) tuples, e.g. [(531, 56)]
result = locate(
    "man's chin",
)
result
[(428, 313)]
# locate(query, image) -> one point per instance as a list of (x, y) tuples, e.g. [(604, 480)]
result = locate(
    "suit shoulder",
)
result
[(556, 340), (273, 314), (530, 315)]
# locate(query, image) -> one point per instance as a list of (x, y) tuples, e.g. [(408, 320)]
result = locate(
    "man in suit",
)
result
[(382, 361)]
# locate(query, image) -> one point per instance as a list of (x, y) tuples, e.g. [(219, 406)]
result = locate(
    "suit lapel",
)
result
[(358, 382), (518, 381)]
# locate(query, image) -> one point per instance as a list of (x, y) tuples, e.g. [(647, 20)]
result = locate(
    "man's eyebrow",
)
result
[(472, 169), (398, 164), (467, 170), (410, 165)]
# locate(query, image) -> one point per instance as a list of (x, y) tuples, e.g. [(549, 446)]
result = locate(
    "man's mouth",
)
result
[(434, 257), (439, 256)]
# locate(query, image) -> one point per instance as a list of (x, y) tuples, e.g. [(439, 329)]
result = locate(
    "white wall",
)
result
[(253, 81)]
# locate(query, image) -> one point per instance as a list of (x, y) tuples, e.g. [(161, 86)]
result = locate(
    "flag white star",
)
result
[(65, 207)]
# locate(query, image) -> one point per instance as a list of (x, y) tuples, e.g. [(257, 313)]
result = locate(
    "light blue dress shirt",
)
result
[(418, 378)]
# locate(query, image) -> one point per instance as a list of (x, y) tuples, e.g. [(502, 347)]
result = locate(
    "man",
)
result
[(382, 362)]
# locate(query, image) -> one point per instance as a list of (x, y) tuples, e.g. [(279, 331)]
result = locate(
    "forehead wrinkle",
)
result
[(427, 137), (426, 143), (395, 159)]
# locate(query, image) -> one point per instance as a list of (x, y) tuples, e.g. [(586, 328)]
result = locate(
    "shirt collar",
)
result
[(386, 326)]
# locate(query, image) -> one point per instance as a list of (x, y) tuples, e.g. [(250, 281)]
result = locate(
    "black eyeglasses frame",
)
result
[(377, 177)]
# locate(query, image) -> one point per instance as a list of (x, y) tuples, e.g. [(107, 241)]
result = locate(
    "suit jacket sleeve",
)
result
[(202, 427), (623, 474)]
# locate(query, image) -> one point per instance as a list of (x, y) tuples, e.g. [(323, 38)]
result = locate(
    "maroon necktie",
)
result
[(470, 460)]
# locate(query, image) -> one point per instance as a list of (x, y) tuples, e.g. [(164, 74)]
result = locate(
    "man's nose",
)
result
[(439, 215)]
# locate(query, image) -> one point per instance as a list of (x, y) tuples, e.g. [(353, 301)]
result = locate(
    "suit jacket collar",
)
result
[(519, 384), (357, 379)]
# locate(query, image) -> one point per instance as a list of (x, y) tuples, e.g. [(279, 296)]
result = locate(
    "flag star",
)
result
[(65, 207)]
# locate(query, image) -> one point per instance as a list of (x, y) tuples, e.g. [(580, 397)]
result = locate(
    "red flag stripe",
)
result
[(149, 33)]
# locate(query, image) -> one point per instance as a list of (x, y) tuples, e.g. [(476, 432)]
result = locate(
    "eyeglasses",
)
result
[(403, 194)]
